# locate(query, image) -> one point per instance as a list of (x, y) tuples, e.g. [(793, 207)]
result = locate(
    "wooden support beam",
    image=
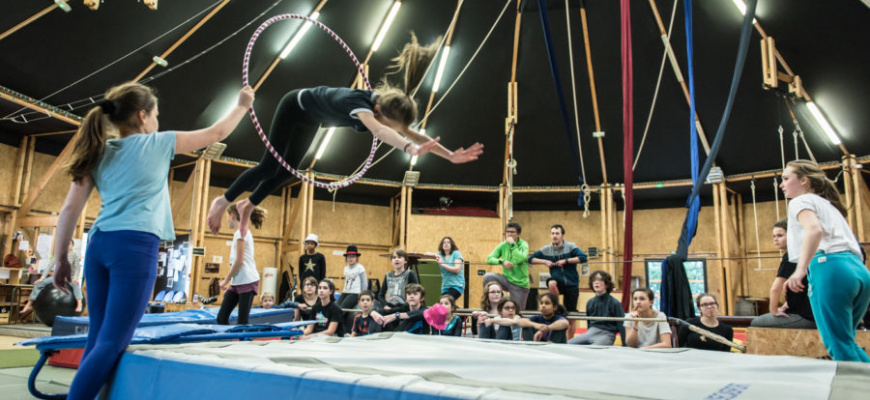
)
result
[(30, 19), (28, 169), (720, 253), (184, 196), (55, 133), (403, 203), (278, 59), (857, 204), (183, 38), (19, 170), (37, 221), (63, 116), (55, 167), (593, 92)]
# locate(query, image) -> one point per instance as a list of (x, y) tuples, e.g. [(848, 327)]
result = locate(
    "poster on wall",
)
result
[(696, 271), (173, 271)]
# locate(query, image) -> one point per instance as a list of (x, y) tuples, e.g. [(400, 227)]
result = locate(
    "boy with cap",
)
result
[(312, 263)]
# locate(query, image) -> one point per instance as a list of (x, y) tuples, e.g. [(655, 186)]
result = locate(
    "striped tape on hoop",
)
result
[(335, 185)]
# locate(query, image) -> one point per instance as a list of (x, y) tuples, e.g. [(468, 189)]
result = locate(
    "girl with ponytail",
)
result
[(119, 151), (828, 254), (387, 112)]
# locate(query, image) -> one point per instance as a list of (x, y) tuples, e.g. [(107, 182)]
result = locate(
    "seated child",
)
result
[(551, 325), (646, 335), (363, 323), (490, 328), (453, 326), (601, 333), (409, 315), (392, 292), (326, 313)]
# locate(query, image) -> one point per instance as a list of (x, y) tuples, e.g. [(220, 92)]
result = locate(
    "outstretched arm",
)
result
[(194, 140), (415, 143)]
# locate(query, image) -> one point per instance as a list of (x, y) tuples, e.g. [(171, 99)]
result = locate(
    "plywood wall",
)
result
[(475, 237)]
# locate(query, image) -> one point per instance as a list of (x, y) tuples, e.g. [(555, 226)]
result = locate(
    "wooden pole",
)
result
[(858, 205), (726, 247), (720, 254), (28, 169), (183, 38), (27, 21), (402, 216), (592, 90), (847, 188), (19, 170)]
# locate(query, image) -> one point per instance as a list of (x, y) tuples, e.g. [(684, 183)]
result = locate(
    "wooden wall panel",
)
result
[(475, 237), (55, 192), (8, 173), (761, 276)]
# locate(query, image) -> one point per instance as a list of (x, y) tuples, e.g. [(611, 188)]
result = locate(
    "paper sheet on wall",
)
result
[(43, 246)]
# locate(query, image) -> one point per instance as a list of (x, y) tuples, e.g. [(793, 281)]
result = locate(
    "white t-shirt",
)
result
[(355, 280), (248, 273), (836, 234), (648, 335)]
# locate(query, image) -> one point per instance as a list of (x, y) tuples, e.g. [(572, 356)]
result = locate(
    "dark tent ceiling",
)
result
[(66, 59)]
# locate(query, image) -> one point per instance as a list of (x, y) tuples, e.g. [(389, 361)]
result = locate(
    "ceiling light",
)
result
[(214, 150), (741, 6), (325, 143), (386, 26), (299, 34), (441, 64), (823, 122), (411, 178)]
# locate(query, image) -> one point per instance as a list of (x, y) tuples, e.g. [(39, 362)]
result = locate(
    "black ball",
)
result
[(52, 302)]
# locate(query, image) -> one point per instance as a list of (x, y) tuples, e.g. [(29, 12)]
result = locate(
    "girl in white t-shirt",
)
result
[(828, 254), (646, 335), (243, 270)]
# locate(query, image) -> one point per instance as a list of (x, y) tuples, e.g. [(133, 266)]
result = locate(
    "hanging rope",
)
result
[(755, 217), (800, 132), (557, 81), (627, 146), (652, 106), (574, 98)]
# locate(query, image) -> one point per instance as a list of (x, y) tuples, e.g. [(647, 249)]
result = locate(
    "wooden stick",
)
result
[(56, 166), (592, 90), (27, 21), (19, 169)]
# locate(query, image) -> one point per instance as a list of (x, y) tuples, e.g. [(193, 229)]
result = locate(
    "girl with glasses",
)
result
[(709, 308)]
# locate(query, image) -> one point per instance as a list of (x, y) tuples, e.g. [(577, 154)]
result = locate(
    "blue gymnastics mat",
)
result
[(404, 366), (259, 316)]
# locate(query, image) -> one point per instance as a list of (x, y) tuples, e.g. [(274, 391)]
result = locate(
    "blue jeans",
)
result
[(839, 294), (120, 268)]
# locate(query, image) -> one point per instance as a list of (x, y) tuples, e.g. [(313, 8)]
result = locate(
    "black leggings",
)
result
[(291, 134), (231, 299)]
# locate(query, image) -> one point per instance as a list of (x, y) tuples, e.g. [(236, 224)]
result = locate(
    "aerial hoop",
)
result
[(335, 185)]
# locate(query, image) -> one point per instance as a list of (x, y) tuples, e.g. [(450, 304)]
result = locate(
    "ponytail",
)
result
[(90, 144), (819, 183), (121, 104), (412, 63)]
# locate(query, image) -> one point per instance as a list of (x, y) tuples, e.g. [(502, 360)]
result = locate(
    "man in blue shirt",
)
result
[(561, 258)]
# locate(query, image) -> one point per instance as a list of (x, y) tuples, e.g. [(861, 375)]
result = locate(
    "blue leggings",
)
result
[(839, 294), (120, 269)]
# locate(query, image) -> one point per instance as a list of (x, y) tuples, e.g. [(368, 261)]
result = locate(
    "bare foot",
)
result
[(78, 306), (27, 308), (216, 213), (245, 208)]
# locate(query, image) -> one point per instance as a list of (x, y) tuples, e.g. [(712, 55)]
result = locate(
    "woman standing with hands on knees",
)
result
[(130, 173), (827, 253)]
